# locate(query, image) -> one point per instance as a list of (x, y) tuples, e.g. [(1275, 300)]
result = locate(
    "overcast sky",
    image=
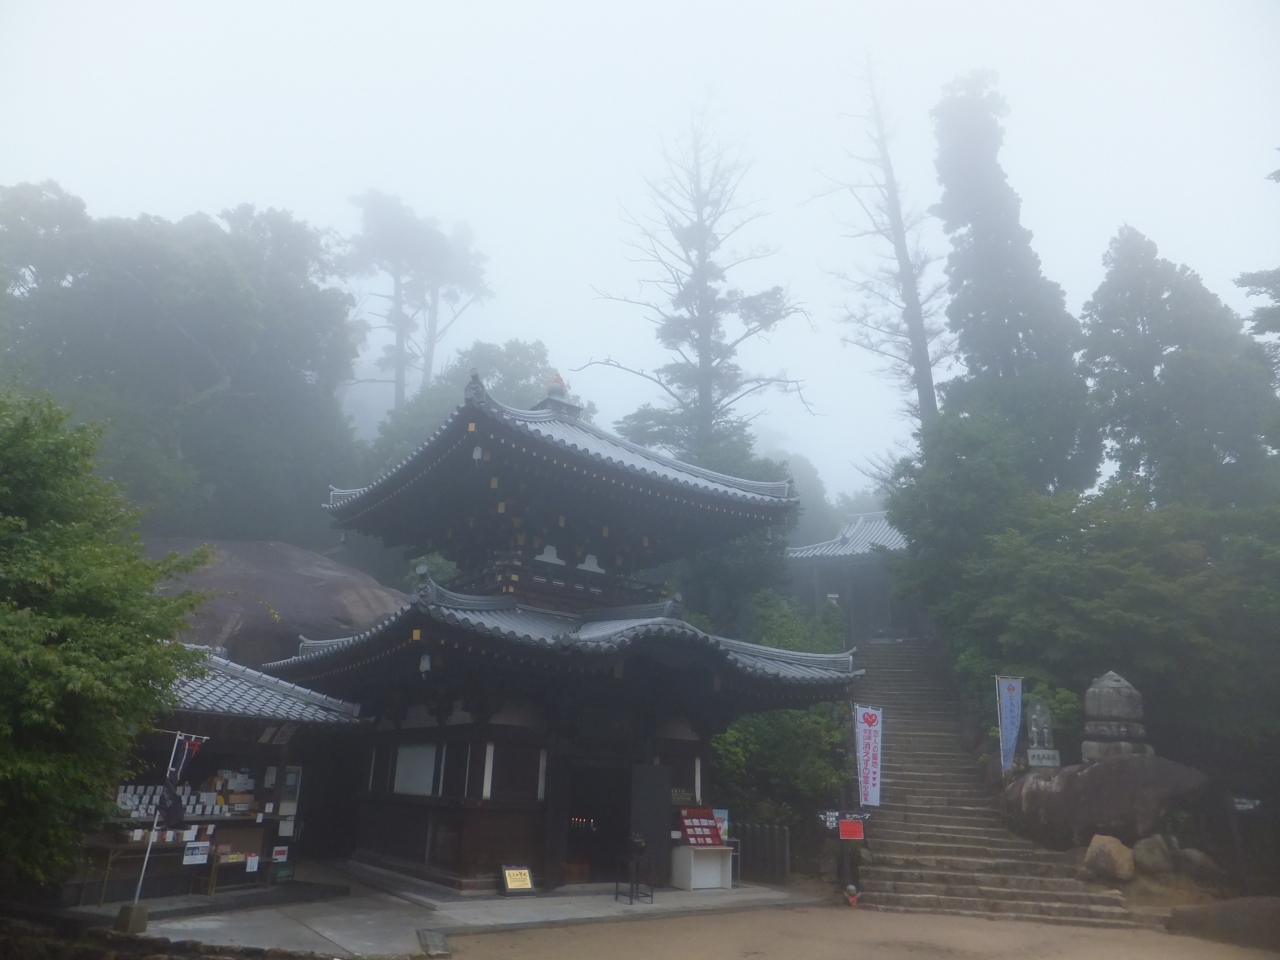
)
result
[(536, 122)]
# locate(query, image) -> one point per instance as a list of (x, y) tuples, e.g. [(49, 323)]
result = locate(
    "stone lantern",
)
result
[(1113, 719)]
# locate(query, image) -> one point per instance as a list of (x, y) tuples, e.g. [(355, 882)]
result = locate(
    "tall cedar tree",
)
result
[(427, 268), (214, 351), (698, 317), (1019, 421), (1011, 325), (703, 322), (86, 660), (1189, 398)]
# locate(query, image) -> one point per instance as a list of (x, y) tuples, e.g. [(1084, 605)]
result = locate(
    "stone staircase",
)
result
[(937, 843)]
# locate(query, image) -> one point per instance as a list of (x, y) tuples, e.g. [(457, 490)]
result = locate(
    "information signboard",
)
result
[(698, 827), (516, 879)]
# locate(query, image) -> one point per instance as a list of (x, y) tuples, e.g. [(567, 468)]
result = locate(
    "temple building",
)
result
[(547, 703), (854, 572)]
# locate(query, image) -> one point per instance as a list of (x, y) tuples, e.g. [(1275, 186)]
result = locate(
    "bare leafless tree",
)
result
[(897, 312), (699, 318)]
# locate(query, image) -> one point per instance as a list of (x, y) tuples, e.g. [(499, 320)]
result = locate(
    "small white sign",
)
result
[(195, 854), (1043, 758), (251, 863)]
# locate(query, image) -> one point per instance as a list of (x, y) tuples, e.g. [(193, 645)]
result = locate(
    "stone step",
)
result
[(926, 817), (1022, 882), (957, 776), (916, 848), (982, 832), (943, 835), (1026, 910), (974, 891), (957, 804), (959, 771), (1009, 866)]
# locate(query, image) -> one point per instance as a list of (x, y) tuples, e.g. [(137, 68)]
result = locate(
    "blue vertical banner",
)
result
[(1009, 698)]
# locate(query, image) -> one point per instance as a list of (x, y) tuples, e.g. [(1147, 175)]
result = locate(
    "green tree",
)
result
[(85, 656), (1011, 325), (1183, 602), (697, 316), (1189, 398), (427, 269), (213, 350), (785, 765)]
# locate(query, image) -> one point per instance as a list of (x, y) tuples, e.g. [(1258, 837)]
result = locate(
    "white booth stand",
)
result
[(702, 868)]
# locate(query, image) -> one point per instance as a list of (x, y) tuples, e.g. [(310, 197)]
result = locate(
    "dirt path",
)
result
[(838, 933)]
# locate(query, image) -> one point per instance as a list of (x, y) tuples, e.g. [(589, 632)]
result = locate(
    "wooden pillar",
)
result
[(557, 811)]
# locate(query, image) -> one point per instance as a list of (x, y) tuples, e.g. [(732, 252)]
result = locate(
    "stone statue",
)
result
[(1039, 726)]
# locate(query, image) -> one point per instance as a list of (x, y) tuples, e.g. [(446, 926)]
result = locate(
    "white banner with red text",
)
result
[(868, 726)]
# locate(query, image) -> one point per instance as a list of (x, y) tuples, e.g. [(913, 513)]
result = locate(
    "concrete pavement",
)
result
[(374, 922)]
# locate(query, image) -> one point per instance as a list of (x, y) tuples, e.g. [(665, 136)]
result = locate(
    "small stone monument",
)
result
[(1113, 719), (1040, 752)]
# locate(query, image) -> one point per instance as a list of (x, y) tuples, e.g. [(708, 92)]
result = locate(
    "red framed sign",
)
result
[(698, 827)]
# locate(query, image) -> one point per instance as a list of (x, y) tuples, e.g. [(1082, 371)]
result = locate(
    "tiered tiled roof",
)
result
[(568, 434), (861, 535), (230, 689), (602, 633)]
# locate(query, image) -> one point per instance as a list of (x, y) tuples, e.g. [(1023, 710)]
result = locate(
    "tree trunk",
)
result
[(399, 325), (908, 275), (430, 337)]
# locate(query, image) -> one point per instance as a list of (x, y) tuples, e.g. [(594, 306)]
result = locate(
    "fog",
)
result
[(537, 124)]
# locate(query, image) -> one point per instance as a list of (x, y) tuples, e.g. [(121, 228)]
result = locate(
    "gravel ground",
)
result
[(838, 933)]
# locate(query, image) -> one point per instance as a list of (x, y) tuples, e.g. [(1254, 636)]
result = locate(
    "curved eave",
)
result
[(753, 664), (345, 505)]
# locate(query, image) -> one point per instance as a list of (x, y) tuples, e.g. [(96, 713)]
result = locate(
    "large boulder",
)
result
[(263, 595), (1152, 856), (1122, 796), (1109, 859), (1247, 921), (1199, 866)]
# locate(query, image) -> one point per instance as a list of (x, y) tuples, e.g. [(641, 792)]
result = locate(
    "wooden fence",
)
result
[(764, 851)]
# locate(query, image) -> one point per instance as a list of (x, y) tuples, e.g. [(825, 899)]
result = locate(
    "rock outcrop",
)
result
[(1152, 856), (1123, 796), (263, 595)]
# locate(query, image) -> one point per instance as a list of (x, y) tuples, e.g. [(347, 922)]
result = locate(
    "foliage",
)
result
[(515, 373), (784, 765), (427, 268), (1012, 329), (1183, 602), (1189, 397), (721, 581), (85, 659), (215, 352)]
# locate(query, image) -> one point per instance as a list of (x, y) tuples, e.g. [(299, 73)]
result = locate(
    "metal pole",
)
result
[(155, 822)]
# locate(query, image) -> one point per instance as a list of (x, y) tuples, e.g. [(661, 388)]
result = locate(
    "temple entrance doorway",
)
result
[(599, 821)]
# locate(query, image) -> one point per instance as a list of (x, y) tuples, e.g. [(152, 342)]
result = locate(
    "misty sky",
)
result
[(537, 122)]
